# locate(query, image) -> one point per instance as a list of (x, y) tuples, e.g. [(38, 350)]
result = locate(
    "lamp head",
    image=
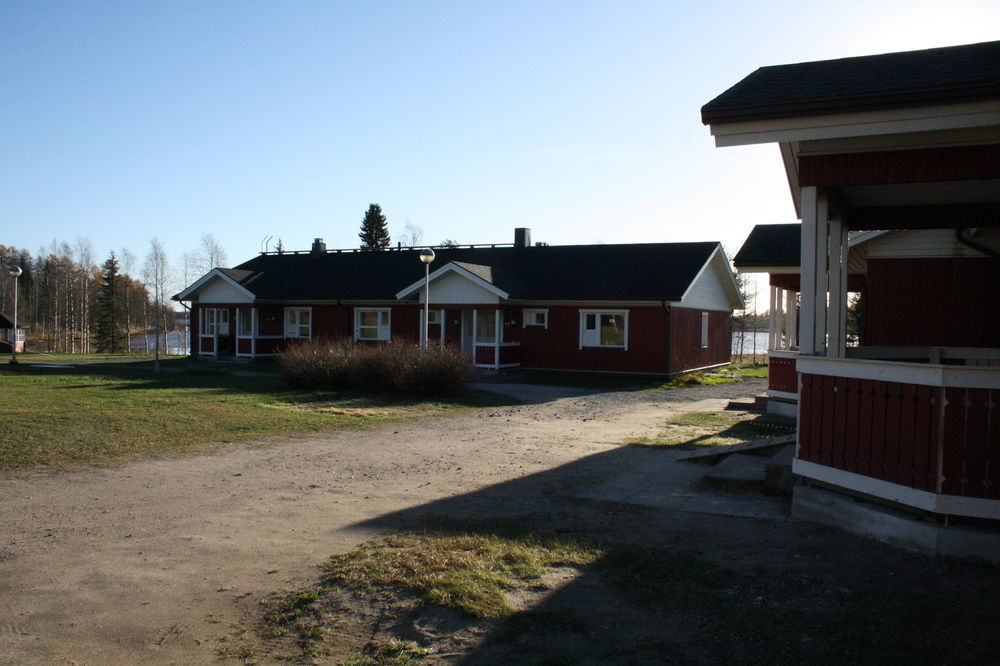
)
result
[(427, 255), (15, 271)]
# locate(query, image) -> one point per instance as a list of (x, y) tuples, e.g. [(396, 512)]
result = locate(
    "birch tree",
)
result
[(155, 271)]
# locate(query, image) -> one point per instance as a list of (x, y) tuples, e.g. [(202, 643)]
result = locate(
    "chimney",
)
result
[(319, 247), (522, 237)]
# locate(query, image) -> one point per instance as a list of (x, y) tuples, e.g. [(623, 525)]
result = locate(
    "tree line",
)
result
[(71, 304)]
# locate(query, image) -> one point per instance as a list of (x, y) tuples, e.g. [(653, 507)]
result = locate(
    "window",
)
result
[(434, 317), (371, 324), (704, 330), (298, 322), (486, 326), (244, 323), (536, 318), (215, 321), (604, 328)]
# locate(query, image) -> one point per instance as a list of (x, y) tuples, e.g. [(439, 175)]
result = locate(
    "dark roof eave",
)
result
[(737, 114)]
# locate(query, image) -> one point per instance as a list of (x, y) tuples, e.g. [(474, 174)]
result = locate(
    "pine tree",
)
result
[(374, 229), (109, 331)]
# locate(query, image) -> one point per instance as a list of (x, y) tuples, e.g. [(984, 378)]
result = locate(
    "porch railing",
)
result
[(933, 428)]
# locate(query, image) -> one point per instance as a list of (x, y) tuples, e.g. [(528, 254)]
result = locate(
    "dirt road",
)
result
[(156, 561)]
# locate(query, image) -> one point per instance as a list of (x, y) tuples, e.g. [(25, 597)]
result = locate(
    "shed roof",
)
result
[(771, 245), (627, 272), (950, 75), (6, 321)]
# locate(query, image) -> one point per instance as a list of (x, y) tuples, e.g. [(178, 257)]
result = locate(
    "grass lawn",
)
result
[(97, 413), (694, 429)]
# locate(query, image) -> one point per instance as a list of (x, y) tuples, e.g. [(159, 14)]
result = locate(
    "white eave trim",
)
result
[(864, 123), (451, 267), (214, 273)]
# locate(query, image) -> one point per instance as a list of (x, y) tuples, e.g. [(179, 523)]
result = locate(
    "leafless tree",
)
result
[(210, 254), (412, 235), (155, 272)]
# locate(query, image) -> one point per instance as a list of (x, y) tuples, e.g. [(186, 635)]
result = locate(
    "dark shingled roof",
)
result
[(6, 321), (771, 245), (647, 271), (893, 80)]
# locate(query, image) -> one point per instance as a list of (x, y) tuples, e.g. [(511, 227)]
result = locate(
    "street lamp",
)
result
[(426, 256), (15, 272)]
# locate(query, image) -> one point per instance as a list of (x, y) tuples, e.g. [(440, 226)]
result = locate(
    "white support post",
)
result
[(253, 332), (809, 270), (475, 330), (837, 287), (772, 321), (790, 318), (779, 318), (441, 326), (822, 301), (845, 261), (497, 336)]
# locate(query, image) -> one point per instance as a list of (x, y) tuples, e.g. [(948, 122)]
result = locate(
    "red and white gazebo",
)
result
[(905, 148)]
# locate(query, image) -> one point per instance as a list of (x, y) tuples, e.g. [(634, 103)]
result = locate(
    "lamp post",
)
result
[(426, 256), (15, 272)]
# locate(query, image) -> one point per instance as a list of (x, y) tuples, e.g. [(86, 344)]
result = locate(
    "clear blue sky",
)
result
[(121, 121)]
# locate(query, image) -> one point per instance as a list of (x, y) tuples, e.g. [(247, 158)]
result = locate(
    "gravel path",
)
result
[(158, 561)]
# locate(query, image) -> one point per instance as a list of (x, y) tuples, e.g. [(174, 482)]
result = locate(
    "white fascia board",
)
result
[(214, 273), (864, 123), (452, 268), (772, 270), (864, 237), (718, 260)]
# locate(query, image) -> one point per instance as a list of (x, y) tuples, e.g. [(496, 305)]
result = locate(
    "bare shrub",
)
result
[(392, 367)]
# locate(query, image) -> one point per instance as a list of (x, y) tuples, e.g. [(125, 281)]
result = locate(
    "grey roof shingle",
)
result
[(950, 74), (645, 271)]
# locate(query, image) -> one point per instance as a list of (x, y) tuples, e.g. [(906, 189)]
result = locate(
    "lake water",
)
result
[(174, 342), (752, 340)]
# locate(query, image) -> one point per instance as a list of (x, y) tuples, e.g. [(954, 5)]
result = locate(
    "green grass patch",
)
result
[(98, 413), (748, 370), (690, 379), (468, 572), (693, 429)]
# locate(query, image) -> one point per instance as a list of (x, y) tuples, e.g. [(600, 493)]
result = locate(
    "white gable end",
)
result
[(707, 292), (220, 291), (455, 288)]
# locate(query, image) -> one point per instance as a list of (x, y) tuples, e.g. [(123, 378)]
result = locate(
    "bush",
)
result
[(391, 367)]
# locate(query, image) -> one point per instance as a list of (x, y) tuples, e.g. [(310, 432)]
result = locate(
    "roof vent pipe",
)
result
[(522, 237), (319, 247)]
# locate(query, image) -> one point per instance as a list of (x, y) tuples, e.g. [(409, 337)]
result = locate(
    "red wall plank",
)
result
[(944, 302)]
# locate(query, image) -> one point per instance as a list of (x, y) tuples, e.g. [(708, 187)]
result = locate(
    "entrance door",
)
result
[(467, 334)]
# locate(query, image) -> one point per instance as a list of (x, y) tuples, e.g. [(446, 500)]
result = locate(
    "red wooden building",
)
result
[(644, 308), (904, 147), (10, 340)]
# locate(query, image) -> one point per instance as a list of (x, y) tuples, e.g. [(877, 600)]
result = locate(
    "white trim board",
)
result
[(953, 505)]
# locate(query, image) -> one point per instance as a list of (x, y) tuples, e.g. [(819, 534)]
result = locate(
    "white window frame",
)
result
[(586, 339), (294, 330), (245, 316), (211, 321), (383, 330), (530, 314), (704, 330)]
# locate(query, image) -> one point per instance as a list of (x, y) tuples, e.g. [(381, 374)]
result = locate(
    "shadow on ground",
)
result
[(681, 587)]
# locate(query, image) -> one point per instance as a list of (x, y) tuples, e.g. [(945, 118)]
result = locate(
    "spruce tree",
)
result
[(109, 332), (374, 229)]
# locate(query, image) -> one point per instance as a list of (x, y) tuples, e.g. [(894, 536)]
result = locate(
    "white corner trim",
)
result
[(954, 505)]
